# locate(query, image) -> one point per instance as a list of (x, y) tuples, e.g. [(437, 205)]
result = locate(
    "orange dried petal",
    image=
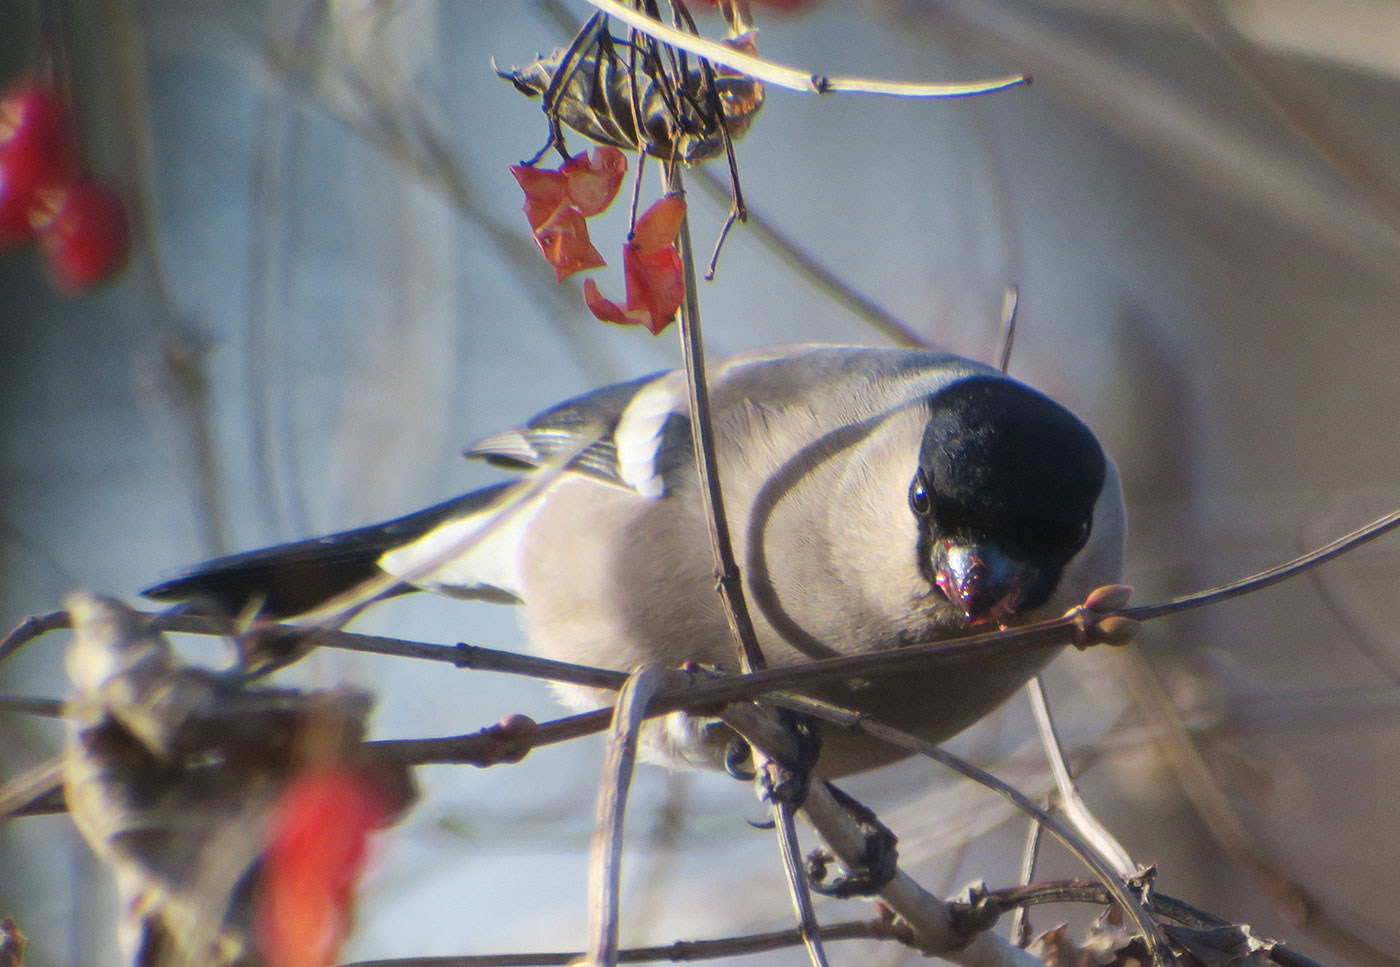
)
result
[(545, 192), (657, 228), (565, 244), (655, 284), (593, 179)]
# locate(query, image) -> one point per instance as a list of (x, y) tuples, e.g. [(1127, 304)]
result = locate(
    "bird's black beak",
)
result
[(981, 579)]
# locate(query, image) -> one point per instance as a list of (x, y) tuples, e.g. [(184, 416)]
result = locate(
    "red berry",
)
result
[(37, 151), (317, 839), (84, 234)]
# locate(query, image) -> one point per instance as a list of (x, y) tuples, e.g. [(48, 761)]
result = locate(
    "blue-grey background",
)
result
[(1205, 230)]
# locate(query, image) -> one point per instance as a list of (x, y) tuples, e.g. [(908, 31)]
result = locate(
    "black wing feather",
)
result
[(294, 578)]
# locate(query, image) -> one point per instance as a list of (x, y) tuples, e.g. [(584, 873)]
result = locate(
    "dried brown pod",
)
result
[(637, 94), (169, 771)]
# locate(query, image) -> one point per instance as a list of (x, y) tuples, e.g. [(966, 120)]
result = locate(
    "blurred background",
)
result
[(333, 290)]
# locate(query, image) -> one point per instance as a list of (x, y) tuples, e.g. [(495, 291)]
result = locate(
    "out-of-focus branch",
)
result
[(679, 952), (791, 77)]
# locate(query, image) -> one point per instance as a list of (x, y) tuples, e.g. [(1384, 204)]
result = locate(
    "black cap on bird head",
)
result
[(1004, 495)]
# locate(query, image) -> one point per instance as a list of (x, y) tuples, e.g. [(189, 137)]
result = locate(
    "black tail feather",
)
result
[(294, 578)]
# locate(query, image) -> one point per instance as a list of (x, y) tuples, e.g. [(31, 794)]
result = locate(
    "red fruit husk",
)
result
[(654, 284), (606, 310), (316, 843), (84, 233), (594, 179), (545, 192), (652, 267), (657, 228), (37, 151), (564, 242)]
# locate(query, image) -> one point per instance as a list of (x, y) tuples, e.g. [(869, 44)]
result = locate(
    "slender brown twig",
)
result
[(1261, 580), (679, 952), (857, 722), (1073, 805), (728, 582), (790, 77), (1020, 920), (605, 865)]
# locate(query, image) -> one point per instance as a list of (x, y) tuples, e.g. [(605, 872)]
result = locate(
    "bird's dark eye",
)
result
[(919, 500)]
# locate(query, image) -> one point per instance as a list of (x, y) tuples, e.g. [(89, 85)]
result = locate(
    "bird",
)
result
[(877, 497)]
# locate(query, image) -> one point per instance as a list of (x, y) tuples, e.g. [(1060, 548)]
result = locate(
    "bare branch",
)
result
[(678, 952), (1273, 575), (1076, 810), (19, 794), (728, 581), (791, 77), (730, 587), (798, 888), (605, 865), (1021, 921), (1010, 302), (1157, 945), (30, 628), (49, 708)]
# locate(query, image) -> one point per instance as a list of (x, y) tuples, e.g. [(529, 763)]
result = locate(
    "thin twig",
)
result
[(30, 787), (1020, 920), (1071, 802), (48, 708), (678, 952), (729, 584), (856, 722), (1010, 302), (798, 888), (790, 77), (605, 866), (1273, 575), (772, 743), (462, 655), (30, 628)]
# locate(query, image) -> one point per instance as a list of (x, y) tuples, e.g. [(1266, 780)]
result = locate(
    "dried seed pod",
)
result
[(600, 86), (169, 772)]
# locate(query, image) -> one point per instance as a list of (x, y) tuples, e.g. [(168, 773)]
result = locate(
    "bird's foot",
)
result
[(879, 858), (787, 781)]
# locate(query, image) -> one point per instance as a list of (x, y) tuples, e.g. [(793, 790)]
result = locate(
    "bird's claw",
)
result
[(788, 782), (879, 859)]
